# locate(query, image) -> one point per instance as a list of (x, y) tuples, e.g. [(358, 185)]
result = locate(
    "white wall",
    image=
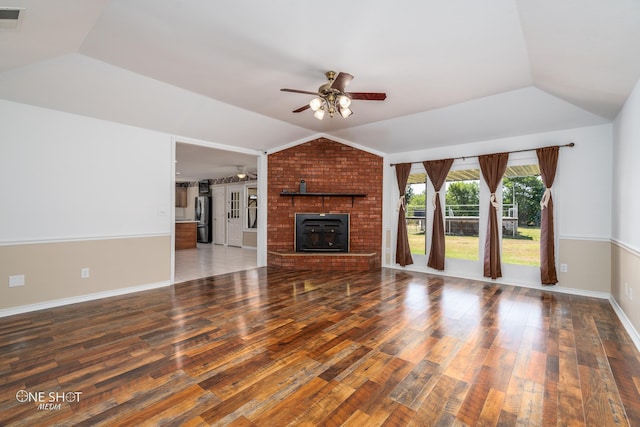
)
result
[(584, 184), (625, 276), (79, 193), (626, 172), (582, 193), (67, 177)]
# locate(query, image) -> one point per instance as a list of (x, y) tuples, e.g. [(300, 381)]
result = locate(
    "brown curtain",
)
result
[(493, 167), (403, 251), (548, 161), (437, 171)]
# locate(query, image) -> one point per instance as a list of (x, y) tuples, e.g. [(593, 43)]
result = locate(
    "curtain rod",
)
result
[(571, 144)]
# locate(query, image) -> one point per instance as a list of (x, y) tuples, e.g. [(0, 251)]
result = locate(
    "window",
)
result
[(234, 204), (252, 208), (416, 215), (462, 214), (522, 190), (465, 223)]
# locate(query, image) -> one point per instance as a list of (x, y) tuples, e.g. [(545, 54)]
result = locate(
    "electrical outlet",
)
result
[(84, 273), (17, 280), (563, 268), (626, 288)]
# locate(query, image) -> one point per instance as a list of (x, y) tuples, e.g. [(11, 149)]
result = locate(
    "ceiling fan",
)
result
[(331, 96), (243, 172)]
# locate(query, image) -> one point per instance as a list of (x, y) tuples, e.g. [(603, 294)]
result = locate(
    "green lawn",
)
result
[(522, 251), (461, 247)]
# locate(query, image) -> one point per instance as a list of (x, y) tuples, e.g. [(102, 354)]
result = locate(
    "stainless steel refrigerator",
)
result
[(203, 217)]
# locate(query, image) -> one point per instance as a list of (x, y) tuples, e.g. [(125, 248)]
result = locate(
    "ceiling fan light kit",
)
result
[(241, 172), (331, 96)]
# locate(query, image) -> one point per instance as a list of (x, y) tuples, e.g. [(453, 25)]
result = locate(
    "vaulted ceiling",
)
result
[(454, 71)]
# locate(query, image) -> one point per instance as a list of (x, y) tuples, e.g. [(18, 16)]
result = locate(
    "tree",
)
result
[(463, 198), (417, 204), (528, 193), (408, 194)]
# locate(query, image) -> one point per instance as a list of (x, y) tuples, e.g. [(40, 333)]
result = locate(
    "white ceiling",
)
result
[(197, 162), (454, 71)]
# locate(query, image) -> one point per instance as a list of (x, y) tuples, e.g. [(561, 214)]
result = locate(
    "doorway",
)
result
[(196, 162)]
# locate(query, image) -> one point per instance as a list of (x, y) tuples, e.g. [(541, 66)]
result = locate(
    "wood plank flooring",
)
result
[(267, 347)]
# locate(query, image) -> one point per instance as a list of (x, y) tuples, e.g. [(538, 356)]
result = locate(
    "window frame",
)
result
[(246, 208)]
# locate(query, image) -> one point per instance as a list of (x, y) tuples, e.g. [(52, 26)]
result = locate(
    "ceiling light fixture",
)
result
[(330, 104), (330, 100), (241, 174), (332, 97)]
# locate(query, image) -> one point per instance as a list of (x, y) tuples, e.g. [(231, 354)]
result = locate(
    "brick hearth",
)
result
[(327, 167)]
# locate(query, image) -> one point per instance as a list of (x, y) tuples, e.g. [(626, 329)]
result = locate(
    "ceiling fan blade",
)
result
[(367, 96), (299, 91), (341, 81), (301, 109)]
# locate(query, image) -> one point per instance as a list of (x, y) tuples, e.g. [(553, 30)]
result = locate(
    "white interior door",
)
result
[(219, 216), (234, 215)]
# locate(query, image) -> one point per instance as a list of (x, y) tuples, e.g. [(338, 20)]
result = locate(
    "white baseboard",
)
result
[(80, 298), (576, 291), (628, 326), (502, 281)]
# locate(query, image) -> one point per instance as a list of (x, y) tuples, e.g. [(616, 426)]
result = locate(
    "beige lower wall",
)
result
[(250, 239), (588, 264), (52, 270), (626, 270)]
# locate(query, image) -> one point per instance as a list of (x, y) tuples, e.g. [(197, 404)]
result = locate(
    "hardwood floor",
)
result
[(273, 348)]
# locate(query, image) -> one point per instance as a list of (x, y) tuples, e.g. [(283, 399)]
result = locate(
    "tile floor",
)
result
[(210, 260)]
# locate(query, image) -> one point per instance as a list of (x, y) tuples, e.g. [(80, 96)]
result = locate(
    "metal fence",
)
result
[(462, 220)]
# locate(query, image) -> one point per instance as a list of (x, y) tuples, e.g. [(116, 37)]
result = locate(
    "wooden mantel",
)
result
[(323, 195)]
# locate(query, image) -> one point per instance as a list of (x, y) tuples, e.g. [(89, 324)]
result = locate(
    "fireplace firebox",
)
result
[(322, 232)]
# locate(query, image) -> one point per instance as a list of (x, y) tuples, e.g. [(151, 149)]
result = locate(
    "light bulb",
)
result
[(344, 101), (345, 112), (315, 104), (319, 114)]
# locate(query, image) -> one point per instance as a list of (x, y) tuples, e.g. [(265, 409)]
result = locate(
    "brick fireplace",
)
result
[(339, 180)]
